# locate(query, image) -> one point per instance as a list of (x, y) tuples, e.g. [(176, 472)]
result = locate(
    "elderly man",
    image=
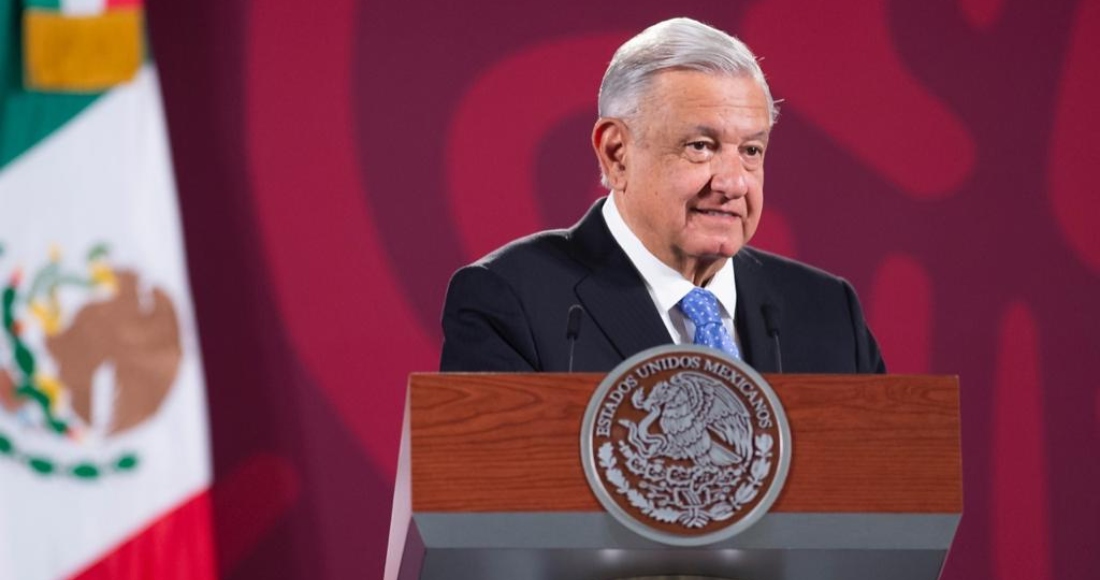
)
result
[(685, 118)]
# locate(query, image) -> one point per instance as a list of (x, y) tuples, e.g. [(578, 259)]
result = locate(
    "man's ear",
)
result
[(609, 138)]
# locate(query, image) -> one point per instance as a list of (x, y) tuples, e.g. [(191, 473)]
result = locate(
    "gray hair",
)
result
[(676, 44)]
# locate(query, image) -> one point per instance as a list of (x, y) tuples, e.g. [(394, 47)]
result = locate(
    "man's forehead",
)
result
[(674, 88), (707, 108), (716, 131)]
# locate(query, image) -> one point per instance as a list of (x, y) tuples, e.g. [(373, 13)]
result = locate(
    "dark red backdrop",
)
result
[(337, 161)]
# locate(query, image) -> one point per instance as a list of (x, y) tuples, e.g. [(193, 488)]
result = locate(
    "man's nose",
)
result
[(730, 177)]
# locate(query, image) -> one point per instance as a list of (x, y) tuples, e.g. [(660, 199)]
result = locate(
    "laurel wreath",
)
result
[(84, 470), (46, 280), (721, 509)]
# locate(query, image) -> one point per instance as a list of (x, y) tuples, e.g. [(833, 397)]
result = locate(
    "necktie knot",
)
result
[(701, 307)]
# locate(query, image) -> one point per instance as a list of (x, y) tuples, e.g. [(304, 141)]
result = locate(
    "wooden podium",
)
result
[(498, 491)]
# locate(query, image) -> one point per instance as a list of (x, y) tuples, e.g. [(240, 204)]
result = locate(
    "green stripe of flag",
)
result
[(52, 5)]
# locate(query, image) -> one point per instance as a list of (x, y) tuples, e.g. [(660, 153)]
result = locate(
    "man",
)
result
[(685, 117)]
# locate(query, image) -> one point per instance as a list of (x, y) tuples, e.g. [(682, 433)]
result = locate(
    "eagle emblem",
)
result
[(85, 354), (692, 410), (685, 445)]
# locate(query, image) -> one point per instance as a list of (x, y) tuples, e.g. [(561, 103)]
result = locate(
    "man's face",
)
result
[(691, 183)]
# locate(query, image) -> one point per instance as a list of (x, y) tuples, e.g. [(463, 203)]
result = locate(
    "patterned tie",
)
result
[(702, 308)]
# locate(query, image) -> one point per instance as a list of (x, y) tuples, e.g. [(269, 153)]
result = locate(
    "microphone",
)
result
[(573, 330), (773, 317)]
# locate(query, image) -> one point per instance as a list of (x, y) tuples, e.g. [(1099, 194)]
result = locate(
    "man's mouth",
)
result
[(716, 213)]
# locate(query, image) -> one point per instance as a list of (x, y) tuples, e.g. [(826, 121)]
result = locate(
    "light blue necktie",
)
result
[(701, 307)]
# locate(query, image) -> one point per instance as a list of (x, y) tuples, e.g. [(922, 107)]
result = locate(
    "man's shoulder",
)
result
[(783, 265), (584, 246), (768, 272), (547, 242), (525, 252)]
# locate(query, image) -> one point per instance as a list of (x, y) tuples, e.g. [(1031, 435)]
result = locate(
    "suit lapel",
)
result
[(753, 292), (624, 312), (613, 293)]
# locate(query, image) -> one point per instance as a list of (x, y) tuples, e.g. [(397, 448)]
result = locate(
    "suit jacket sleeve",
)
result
[(484, 325)]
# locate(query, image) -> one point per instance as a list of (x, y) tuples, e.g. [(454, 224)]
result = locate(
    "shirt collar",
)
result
[(667, 286)]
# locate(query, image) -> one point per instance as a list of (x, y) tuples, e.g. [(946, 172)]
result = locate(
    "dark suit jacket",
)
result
[(508, 311)]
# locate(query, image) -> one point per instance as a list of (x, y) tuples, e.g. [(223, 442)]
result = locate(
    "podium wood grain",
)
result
[(509, 442)]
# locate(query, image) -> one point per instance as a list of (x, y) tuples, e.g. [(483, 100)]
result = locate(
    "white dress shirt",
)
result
[(667, 286)]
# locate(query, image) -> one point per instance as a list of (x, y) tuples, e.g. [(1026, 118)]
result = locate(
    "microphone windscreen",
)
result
[(773, 317), (573, 327)]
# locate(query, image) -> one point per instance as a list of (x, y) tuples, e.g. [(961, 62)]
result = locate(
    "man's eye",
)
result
[(699, 145), (754, 151)]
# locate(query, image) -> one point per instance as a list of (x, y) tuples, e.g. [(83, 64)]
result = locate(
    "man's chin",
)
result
[(716, 253), (712, 250), (727, 249)]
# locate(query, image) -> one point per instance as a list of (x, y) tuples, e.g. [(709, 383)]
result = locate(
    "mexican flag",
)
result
[(104, 453)]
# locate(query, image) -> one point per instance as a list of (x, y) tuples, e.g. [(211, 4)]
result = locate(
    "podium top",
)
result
[(487, 442)]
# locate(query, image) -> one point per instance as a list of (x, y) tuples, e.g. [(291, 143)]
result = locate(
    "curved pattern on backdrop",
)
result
[(1020, 525), (901, 313), (877, 110), (344, 314), (494, 139), (1075, 149)]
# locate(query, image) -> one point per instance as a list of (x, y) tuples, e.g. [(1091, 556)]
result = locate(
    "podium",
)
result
[(498, 490)]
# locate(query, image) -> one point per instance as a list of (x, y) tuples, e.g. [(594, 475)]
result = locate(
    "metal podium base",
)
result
[(591, 546)]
